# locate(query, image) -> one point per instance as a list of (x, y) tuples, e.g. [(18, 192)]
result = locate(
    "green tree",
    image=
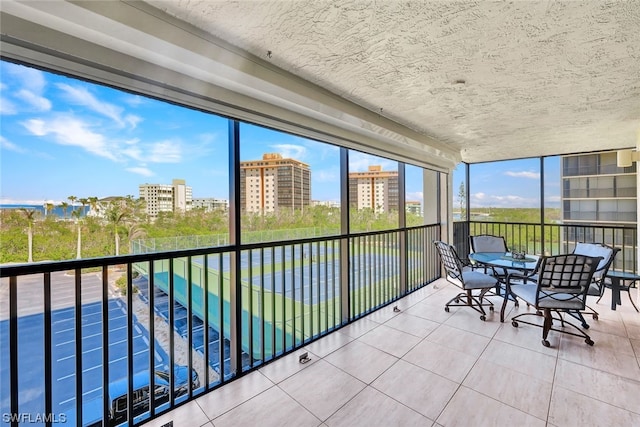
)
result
[(29, 215), (65, 208), (77, 214), (73, 200), (462, 199), (48, 208)]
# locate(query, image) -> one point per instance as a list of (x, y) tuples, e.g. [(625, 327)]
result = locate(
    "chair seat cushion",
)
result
[(478, 280), (528, 292)]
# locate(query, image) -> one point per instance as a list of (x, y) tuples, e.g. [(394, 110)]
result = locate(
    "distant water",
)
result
[(57, 210)]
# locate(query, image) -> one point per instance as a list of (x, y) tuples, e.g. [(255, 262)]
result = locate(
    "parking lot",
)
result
[(63, 345)]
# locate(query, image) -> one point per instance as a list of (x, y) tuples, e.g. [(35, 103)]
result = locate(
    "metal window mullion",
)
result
[(293, 285), (221, 337), (188, 292), (302, 309), (106, 403), (273, 302), (13, 347), (152, 336), (284, 299), (249, 307), (129, 346), (319, 304), (369, 271), (48, 405), (78, 343), (262, 308), (205, 318), (172, 320)]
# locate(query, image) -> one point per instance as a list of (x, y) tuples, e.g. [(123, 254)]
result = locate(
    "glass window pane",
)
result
[(460, 192), (506, 191), (373, 192), (289, 186), (415, 196), (109, 172)]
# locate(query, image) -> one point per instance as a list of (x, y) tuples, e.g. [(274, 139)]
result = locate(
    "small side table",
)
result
[(617, 278)]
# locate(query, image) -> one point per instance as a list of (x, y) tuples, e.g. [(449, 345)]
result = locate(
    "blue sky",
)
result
[(511, 183), (64, 137)]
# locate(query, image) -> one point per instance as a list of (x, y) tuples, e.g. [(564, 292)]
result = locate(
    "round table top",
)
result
[(505, 260)]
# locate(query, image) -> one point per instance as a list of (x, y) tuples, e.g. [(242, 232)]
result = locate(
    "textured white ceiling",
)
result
[(494, 80)]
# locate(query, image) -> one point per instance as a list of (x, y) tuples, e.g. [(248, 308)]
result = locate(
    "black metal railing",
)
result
[(553, 239), (118, 340)]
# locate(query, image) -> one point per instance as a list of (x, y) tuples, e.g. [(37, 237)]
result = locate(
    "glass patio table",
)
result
[(505, 260)]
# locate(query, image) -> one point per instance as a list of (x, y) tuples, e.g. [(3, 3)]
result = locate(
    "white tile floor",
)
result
[(425, 367)]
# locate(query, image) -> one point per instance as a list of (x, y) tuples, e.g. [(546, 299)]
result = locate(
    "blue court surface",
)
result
[(31, 360)]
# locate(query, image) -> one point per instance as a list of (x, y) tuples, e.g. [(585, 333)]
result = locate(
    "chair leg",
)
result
[(467, 299), (631, 299), (546, 327)]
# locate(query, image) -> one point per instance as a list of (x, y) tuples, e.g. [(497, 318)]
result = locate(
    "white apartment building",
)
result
[(274, 183), (375, 189), (210, 204), (174, 197)]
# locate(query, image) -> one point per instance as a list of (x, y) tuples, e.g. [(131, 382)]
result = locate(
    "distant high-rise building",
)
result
[(210, 204), (274, 183), (375, 189), (413, 207), (597, 192), (174, 197)]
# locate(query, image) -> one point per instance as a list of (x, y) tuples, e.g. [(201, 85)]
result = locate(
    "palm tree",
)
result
[(64, 206), (29, 214), (93, 203), (73, 200), (48, 207), (116, 212), (77, 214), (84, 201)]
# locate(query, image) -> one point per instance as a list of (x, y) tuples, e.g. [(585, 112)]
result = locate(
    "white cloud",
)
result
[(29, 78), (134, 101), (10, 146), (291, 151), (523, 174), (360, 162), (7, 107), (508, 201), (39, 103), (67, 130), (164, 152), (81, 96), (141, 171), (326, 175), (415, 196)]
